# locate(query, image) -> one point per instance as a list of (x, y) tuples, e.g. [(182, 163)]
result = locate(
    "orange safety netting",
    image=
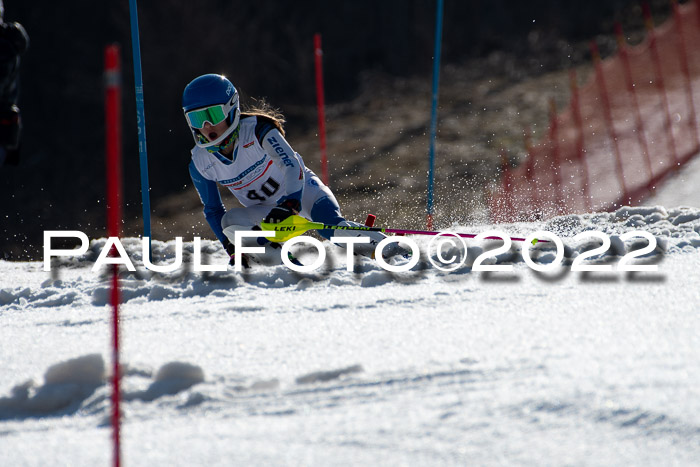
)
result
[(629, 127)]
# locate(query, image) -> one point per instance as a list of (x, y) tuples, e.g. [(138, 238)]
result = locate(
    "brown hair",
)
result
[(262, 109)]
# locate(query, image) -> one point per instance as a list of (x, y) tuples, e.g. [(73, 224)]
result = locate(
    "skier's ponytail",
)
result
[(262, 109)]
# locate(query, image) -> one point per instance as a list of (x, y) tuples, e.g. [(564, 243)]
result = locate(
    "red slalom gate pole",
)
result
[(112, 76), (320, 102)]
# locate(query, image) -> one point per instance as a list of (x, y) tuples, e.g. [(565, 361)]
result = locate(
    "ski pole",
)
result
[(294, 226)]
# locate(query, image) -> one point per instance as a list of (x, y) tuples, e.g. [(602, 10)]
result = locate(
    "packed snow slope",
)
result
[(425, 367)]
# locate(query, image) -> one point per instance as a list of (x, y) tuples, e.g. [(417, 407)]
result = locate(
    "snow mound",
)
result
[(323, 376), (79, 383), (180, 371), (66, 386), (89, 369), (170, 379)]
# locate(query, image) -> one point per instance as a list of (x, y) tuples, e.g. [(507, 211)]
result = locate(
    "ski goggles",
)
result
[(214, 115)]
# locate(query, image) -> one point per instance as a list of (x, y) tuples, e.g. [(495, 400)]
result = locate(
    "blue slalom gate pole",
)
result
[(141, 122), (433, 116)]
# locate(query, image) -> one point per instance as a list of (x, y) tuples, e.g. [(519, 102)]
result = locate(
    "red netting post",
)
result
[(113, 148), (556, 153), (530, 170), (491, 205), (320, 102), (607, 112), (659, 78), (683, 56), (580, 151), (629, 81), (507, 186)]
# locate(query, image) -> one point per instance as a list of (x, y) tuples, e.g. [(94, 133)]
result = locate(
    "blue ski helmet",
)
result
[(211, 98)]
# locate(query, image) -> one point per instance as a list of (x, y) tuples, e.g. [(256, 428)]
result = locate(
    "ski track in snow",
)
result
[(337, 368)]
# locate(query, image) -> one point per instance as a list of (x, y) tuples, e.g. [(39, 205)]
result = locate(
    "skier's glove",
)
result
[(232, 257), (287, 208)]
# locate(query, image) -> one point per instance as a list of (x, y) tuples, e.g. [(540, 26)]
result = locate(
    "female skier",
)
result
[(247, 153)]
